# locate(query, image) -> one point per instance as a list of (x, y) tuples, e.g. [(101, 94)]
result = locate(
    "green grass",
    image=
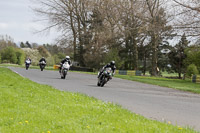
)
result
[(185, 85), (28, 107)]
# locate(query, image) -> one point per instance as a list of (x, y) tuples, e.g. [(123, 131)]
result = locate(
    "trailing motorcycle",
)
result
[(64, 70), (105, 77), (27, 64), (42, 65)]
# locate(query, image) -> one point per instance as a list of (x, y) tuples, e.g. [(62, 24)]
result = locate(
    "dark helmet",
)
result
[(112, 63)]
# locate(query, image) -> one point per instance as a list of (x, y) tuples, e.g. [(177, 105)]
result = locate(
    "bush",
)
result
[(56, 59), (20, 56), (192, 69), (50, 61), (9, 55)]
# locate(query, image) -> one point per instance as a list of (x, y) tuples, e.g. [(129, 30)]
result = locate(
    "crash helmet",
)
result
[(112, 63), (67, 57)]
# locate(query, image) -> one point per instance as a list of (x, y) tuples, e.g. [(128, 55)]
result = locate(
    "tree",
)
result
[(6, 41), (113, 55), (35, 45), (20, 56), (158, 29), (192, 70), (28, 44), (95, 27), (188, 16), (177, 56), (43, 51), (22, 45), (8, 55), (193, 56)]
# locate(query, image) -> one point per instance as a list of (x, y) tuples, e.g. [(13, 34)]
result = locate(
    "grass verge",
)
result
[(26, 106), (185, 85)]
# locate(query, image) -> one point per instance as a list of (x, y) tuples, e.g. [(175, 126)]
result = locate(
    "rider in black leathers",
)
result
[(111, 65), (67, 59), (42, 59)]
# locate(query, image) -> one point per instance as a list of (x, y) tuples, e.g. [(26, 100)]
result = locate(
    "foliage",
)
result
[(113, 54), (22, 45), (192, 70), (177, 56), (58, 57), (6, 41), (28, 45), (30, 107), (8, 55), (20, 56), (33, 54), (50, 61), (193, 56), (43, 51)]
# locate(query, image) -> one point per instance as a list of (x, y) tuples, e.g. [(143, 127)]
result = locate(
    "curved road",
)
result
[(154, 102)]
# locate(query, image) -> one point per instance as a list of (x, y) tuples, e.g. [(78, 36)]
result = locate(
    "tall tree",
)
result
[(6, 41), (177, 56), (158, 29), (22, 45), (188, 16), (28, 44)]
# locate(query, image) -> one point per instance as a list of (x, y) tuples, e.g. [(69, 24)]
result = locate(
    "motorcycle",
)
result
[(64, 70), (104, 77), (27, 64), (42, 65)]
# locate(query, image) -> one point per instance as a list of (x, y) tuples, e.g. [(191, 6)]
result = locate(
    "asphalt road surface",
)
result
[(154, 102)]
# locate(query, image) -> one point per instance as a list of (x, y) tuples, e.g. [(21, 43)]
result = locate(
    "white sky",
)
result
[(17, 21)]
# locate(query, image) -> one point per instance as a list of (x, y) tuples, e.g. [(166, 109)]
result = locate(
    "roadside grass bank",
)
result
[(185, 85), (26, 106)]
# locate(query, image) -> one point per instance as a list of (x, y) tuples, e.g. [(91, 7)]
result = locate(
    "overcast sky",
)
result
[(18, 21)]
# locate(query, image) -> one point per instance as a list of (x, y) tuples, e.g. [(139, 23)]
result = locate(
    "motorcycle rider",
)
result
[(28, 59), (111, 65), (42, 59), (40, 62), (67, 59)]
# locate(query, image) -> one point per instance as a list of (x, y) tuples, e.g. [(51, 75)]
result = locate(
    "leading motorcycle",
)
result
[(105, 77), (64, 70), (27, 64)]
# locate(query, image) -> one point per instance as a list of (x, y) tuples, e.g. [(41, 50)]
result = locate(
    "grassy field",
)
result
[(28, 107)]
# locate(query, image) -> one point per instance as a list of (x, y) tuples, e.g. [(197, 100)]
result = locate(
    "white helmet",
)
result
[(67, 57)]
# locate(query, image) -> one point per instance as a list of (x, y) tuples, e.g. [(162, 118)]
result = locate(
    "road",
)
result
[(154, 102)]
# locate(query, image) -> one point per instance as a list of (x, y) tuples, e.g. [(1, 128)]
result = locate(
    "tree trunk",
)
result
[(135, 54), (154, 56), (74, 35)]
